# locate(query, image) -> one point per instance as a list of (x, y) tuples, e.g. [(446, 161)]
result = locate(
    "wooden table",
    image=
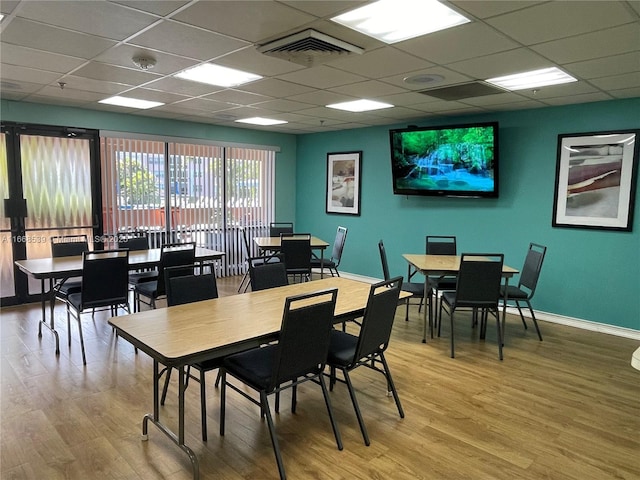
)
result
[(185, 334), (272, 244), (439, 265), (65, 267)]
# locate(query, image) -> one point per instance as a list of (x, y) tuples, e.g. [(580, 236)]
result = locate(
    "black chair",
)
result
[(348, 352), (267, 275), (295, 251), (183, 289), (478, 288), (526, 287), (414, 288), (440, 245), (299, 356), (244, 283), (137, 241), (336, 254), (67, 246), (171, 255), (277, 228), (104, 284)]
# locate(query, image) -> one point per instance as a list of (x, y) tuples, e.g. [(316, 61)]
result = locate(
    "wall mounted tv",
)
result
[(449, 161)]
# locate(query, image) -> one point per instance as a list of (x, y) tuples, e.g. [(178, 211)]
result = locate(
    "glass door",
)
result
[(52, 194)]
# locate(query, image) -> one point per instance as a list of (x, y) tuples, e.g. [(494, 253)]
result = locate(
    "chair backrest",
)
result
[(295, 249), (105, 278), (190, 288), (174, 255), (266, 275), (378, 318), (441, 245), (383, 260), (69, 245), (479, 280), (338, 245), (276, 228), (304, 336), (133, 241), (532, 266)]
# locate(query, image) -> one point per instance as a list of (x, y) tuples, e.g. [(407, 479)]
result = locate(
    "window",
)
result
[(177, 191)]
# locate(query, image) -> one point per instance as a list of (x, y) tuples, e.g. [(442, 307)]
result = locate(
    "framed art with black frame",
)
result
[(596, 177), (344, 182)]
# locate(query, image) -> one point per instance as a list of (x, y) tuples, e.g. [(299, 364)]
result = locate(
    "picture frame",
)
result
[(344, 180), (596, 179)]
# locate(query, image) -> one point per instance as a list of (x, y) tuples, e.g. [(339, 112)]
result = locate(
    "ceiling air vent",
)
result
[(308, 48), (465, 90)]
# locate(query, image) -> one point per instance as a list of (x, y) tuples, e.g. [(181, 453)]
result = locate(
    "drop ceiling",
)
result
[(75, 53)]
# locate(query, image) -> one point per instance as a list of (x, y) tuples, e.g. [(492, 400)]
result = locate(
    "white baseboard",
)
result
[(544, 316)]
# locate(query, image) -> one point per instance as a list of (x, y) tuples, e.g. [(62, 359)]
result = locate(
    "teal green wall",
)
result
[(81, 118), (587, 274)]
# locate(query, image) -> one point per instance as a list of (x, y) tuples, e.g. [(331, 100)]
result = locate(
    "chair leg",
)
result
[(68, 324), (218, 377), (242, 282), (223, 395), (406, 317), (499, 329), (294, 398), (354, 401), (84, 358), (521, 314), (203, 404), (451, 317), (272, 433), (535, 322), (166, 384), (391, 386), (327, 402)]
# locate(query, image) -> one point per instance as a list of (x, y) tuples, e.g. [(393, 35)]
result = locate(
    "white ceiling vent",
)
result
[(309, 48)]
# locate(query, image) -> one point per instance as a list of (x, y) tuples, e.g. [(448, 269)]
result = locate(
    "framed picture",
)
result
[(343, 182), (596, 176)]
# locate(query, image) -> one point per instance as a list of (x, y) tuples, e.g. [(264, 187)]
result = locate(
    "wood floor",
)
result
[(564, 408)]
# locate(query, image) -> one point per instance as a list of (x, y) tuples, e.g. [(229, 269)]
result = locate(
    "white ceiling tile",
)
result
[(17, 89), (154, 95), (28, 57), (326, 8), (321, 97), (111, 73), (617, 82), (605, 67), (90, 85), (369, 89), (7, 6), (491, 8), (499, 64), (602, 43), (497, 99), (283, 105), (449, 77), (237, 97), (53, 39), (250, 60), (184, 87), (103, 19), (378, 63), (71, 95), (123, 54), (583, 98), (322, 77), (165, 7), (404, 99), (265, 20), (555, 20), (47, 100), (626, 92), (459, 43), (563, 90), (273, 87), (180, 39), (23, 74), (203, 104)]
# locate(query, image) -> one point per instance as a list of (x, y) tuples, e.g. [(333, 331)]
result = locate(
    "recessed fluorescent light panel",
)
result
[(360, 105), (130, 102), (533, 79), (392, 21), (261, 121), (217, 75)]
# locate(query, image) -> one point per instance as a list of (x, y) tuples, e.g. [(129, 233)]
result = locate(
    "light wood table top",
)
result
[(444, 264), (273, 243), (193, 332), (61, 267)]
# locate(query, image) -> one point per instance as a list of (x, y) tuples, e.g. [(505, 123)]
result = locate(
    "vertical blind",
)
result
[(188, 192)]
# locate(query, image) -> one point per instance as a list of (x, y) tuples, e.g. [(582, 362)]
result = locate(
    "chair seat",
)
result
[(209, 364), (254, 367), (513, 293), (315, 263), (445, 283), (69, 287), (148, 289), (449, 297), (414, 288), (342, 348), (140, 277)]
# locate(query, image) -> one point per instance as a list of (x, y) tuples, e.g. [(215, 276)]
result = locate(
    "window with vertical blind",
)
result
[(177, 191)]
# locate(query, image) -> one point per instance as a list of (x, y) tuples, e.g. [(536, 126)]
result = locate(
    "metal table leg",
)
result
[(43, 320)]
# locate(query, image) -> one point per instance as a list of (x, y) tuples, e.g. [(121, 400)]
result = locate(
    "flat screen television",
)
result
[(448, 161)]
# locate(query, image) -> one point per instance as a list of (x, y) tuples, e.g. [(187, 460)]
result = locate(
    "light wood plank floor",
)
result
[(564, 408)]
